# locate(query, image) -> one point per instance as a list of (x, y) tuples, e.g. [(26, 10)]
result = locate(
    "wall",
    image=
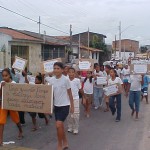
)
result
[(84, 37), (1, 60), (126, 54), (34, 55), (4, 43), (128, 45)]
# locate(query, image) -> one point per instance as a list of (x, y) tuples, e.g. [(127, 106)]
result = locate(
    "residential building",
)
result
[(129, 48)]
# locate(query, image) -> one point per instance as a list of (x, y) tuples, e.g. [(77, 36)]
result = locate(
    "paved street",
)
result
[(100, 132)]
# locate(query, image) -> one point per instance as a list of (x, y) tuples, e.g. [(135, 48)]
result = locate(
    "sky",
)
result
[(100, 16)]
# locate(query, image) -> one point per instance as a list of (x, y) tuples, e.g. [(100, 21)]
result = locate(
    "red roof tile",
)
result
[(18, 35)]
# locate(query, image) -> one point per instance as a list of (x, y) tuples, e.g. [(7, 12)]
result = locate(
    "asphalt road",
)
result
[(100, 132)]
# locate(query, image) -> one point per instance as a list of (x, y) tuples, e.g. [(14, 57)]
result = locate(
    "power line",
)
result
[(31, 19)]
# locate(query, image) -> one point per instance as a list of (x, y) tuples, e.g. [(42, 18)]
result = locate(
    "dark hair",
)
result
[(8, 71), (108, 67), (95, 65), (59, 64), (116, 75), (90, 79), (72, 69), (39, 77)]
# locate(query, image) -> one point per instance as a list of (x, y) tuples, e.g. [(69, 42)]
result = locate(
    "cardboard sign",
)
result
[(112, 90), (140, 69), (85, 64), (28, 97), (101, 81), (19, 63), (48, 66)]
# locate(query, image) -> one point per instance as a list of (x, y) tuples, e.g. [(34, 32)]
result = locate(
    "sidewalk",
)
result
[(14, 148)]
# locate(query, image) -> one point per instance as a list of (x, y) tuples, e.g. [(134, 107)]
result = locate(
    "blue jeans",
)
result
[(118, 105), (134, 97), (98, 93)]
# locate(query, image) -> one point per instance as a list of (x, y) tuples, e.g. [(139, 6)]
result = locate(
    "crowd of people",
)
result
[(69, 87)]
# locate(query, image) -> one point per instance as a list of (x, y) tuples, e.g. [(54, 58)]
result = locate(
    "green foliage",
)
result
[(98, 44), (143, 49)]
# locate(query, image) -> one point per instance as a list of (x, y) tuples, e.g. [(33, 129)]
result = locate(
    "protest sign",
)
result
[(27, 97), (47, 66), (31, 78), (112, 90), (140, 69), (85, 64), (101, 81), (19, 63)]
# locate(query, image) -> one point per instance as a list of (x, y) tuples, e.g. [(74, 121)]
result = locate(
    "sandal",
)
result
[(20, 137), (106, 110), (65, 148), (34, 129)]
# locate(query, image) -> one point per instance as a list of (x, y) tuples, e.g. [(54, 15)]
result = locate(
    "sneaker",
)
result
[(117, 120), (75, 132), (70, 130), (96, 107)]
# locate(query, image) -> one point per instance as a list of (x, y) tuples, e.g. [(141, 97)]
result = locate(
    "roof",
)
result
[(91, 49), (91, 33), (15, 34), (126, 40)]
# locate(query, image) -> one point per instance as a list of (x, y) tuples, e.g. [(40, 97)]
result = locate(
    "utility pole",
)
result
[(115, 46), (120, 39), (70, 40), (88, 42), (79, 46), (39, 24)]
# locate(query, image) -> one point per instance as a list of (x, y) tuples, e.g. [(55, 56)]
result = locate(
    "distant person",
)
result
[(118, 81), (98, 89), (88, 92), (73, 119), (135, 94), (125, 75), (107, 74), (145, 88)]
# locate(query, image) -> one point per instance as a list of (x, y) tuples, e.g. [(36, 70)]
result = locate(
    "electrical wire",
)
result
[(32, 19)]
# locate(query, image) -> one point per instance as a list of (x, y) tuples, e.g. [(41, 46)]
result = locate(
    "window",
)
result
[(96, 55), (20, 51), (50, 52)]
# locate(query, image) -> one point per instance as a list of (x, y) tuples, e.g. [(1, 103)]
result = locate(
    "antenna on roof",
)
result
[(39, 24)]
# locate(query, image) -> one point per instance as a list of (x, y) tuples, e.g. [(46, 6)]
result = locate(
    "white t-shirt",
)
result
[(88, 87), (98, 74), (135, 81), (60, 87), (21, 78), (118, 72), (75, 87), (116, 81), (126, 73)]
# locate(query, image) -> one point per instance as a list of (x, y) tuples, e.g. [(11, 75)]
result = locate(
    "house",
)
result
[(129, 48), (31, 46)]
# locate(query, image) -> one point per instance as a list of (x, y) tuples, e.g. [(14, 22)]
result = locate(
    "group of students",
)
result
[(68, 86)]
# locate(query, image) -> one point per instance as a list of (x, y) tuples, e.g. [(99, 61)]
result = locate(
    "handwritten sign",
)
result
[(101, 81), (85, 64), (27, 97), (111, 90), (19, 63), (48, 66), (140, 69)]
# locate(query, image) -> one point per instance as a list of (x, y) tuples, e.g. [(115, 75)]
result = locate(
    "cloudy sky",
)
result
[(101, 16)]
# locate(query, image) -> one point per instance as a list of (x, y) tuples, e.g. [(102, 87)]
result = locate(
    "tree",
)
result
[(143, 49), (98, 44)]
